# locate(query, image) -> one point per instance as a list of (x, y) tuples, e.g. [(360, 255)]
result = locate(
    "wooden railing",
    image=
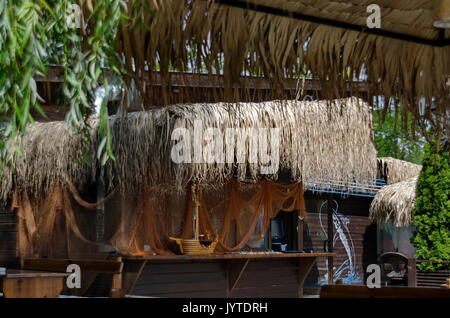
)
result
[(419, 278)]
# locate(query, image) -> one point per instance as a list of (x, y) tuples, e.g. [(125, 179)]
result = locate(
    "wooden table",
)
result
[(31, 284), (236, 265)]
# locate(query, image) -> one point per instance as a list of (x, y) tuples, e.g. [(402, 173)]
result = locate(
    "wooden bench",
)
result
[(31, 284), (113, 267), (358, 291)]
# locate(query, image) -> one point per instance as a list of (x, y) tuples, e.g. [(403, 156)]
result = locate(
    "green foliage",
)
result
[(36, 33), (22, 55), (432, 211), (392, 141)]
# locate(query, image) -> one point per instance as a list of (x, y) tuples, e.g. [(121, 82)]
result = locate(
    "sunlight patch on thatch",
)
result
[(396, 170)]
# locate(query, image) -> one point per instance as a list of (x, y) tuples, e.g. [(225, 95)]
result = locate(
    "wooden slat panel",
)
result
[(173, 278), (183, 267), (8, 218), (269, 278), (7, 245), (199, 279), (431, 278), (8, 227), (8, 236), (9, 259), (8, 239), (261, 278), (282, 291), (358, 238)]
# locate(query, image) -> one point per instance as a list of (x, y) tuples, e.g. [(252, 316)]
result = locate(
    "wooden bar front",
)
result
[(219, 275), (31, 284)]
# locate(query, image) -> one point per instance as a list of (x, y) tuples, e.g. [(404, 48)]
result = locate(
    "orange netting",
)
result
[(238, 214)]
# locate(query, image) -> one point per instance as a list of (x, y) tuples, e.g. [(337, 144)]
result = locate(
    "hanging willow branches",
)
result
[(80, 36)]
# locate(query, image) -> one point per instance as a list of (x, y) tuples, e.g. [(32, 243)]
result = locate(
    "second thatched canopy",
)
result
[(395, 203)]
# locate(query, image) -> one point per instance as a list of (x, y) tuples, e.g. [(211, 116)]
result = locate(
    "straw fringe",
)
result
[(217, 39), (395, 203), (318, 140), (395, 170)]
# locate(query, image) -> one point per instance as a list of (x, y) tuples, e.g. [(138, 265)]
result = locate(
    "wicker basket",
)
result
[(195, 247)]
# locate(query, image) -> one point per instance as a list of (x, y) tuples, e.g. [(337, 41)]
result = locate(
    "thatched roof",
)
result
[(407, 58), (395, 203), (319, 140), (396, 170)]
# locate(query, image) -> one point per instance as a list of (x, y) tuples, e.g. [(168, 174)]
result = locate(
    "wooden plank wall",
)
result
[(8, 239), (274, 278), (184, 279), (431, 278), (360, 237), (269, 278)]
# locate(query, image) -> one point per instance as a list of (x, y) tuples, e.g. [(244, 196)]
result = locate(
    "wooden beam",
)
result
[(191, 80), (235, 270)]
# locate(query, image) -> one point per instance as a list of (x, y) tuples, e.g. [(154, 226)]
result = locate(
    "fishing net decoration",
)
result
[(238, 214), (63, 224), (58, 226)]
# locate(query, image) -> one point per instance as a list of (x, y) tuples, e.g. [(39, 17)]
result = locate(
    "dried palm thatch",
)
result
[(395, 170), (395, 203), (202, 36), (318, 140), (48, 153)]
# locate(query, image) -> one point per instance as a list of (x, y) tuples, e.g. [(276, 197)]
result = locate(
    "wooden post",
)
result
[(300, 229), (116, 285), (412, 272), (330, 240)]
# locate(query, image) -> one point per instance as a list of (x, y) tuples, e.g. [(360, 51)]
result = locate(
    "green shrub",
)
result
[(432, 211)]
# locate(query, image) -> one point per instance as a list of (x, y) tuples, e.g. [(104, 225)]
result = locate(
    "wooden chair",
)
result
[(113, 267)]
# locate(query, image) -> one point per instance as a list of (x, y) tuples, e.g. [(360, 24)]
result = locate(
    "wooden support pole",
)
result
[(304, 268), (300, 229), (116, 285), (235, 270), (330, 239)]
